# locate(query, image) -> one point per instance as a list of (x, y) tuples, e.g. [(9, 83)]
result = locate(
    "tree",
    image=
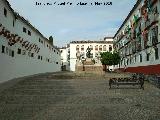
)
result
[(51, 40), (116, 58), (108, 59)]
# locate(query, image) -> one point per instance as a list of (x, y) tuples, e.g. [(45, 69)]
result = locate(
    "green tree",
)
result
[(51, 40), (108, 59), (116, 58)]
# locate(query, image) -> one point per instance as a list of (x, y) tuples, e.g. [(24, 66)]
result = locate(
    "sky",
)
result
[(68, 23)]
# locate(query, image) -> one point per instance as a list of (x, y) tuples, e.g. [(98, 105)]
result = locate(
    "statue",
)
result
[(78, 56), (88, 54)]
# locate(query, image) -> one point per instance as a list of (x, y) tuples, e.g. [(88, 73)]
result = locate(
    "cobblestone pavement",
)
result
[(46, 97)]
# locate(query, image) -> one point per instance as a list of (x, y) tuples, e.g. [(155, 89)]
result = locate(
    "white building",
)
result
[(95, 46), (23, 49), (138, 39), (65, 61)]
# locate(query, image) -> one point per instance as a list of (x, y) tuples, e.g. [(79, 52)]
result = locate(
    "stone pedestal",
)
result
[(89, 66), (88, 62)]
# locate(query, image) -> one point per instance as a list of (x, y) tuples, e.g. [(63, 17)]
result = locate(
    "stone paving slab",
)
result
[(46, 98)]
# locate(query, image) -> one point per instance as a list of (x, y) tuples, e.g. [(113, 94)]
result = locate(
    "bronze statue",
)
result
[(88, 54)]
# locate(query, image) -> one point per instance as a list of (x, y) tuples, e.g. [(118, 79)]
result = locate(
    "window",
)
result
[(39, 40), (29, 54), (57, 52), (156, 54), (155, 10), (39, 57), (29, 32), (110, 48), (82, 48), (12, 53), (19, 51), (135, 58), (5, 12), (24, 30), (32, 54), (7, 50), (3, 49), (54, 51), (140, 58), (91, 47), (145, 40), (127, 61), (96, 47), (148, 56), (100, 48), (56, 62), (104, 48), (155, 35), (13, 23), (77, 48)]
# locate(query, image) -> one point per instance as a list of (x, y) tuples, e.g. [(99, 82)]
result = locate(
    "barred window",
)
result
[(156, 54), (24, 30), (5, 12), (19, 51), (3, 49), (147, 56)]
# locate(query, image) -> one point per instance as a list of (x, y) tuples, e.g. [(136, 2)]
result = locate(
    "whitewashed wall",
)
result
[(64, 57), (23, 65)]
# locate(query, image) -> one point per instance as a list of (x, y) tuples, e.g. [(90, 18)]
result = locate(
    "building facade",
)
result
[(95, 46), (138, 39), (23, 49), (65, 60)]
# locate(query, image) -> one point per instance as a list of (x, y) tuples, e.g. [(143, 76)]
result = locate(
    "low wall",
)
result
[(90, 68)]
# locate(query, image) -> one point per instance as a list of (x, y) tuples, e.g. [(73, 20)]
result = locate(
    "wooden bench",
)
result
[(127, 81)]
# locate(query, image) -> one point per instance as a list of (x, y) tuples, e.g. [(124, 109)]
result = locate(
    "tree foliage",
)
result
[(108, 58), (51, 39), (116, 58)]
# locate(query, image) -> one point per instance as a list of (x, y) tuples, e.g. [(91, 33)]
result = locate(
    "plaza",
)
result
[(73, 96), (67, 75)]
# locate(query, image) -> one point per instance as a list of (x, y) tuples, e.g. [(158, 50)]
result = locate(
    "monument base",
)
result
[(88, 61), (90, 68)]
